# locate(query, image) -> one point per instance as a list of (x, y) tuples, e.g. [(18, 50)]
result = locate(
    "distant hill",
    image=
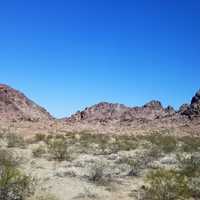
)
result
[(15, 106), (103, 117)]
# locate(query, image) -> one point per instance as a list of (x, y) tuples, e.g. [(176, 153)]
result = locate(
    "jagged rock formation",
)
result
[(107, 112), (102, 118), (152, 114), (192, 110), (15, 106)]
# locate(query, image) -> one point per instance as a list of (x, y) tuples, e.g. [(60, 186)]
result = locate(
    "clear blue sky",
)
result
[(68, 54)]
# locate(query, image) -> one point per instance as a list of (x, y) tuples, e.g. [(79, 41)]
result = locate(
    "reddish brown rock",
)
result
[(15, 106)]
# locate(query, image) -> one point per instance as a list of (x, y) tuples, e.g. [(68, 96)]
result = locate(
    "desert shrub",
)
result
[(108, 144), (190, 144), (96, 174), (39, 151), (166, 185), (125, 143), (7, 158), (39, 137), (48, 139), (14, 140), (140, 160), (166, 143), (14, 185), (87, 139), (44, 196), (189, 164), (88, 193), (194, 186), (58, 148)]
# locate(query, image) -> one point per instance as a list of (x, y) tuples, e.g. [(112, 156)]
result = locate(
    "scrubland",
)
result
[(82, 165)]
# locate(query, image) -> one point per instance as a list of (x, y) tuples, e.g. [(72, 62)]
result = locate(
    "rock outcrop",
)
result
[(151, 115), (192, 110), (15, 106), (107, 112), (102, 117)]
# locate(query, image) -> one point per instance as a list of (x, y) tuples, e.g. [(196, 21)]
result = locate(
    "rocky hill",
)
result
[(102, 118), (106, 112), (15, 106), (151, 116), (192, 110)]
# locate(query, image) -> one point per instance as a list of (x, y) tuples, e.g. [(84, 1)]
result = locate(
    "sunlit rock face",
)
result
[(15, 106)]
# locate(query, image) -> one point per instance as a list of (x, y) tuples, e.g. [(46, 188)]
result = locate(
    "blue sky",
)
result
[(69, 54)]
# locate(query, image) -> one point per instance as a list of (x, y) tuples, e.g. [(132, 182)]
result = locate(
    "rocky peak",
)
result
[(196, 98), (15, 106), (192, 110), (110, 112), (154, 104)]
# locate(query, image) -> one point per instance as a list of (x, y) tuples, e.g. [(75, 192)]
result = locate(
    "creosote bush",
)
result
[(14, 185), (189, 165), (44, 196), (96, 174), (58, 148), (190, 144), (166, 143), (39, 151), (14, 140), (39, 137), (166, 185)]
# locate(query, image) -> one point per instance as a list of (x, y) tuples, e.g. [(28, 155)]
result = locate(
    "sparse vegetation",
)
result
[(58, 148), (96, 174), (189, 164), (39, 151), (166, 143), (166, 185), (190, 144), (44, 196), (14, 140), (39, 137), (123, 155), (14, 185)]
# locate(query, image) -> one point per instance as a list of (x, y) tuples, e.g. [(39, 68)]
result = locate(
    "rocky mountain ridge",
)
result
[(15, 106), (103, 117), (106, 112)]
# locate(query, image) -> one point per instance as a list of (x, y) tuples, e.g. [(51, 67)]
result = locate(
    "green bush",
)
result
[(166, 185)]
